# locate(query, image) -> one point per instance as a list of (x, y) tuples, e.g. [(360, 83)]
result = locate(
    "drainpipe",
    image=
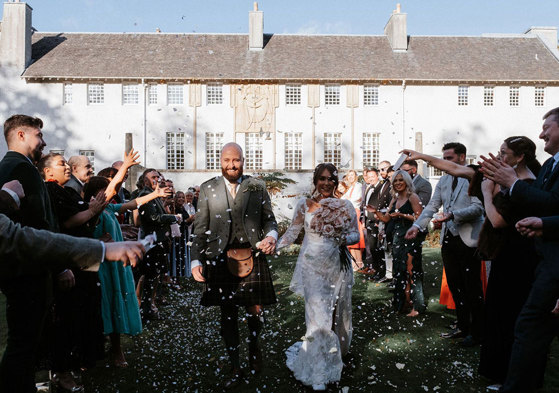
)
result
[(144, 87), (403, 113)]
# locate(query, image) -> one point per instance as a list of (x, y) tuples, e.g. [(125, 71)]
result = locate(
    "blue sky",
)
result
[(425, 17)]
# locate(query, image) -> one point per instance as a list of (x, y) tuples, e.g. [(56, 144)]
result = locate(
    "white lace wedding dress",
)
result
[(317, 360)]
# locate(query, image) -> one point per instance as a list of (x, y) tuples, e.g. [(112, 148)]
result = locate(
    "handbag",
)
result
[(240, 262)]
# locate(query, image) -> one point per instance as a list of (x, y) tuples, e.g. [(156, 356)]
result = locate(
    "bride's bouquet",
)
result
[(332, 220)]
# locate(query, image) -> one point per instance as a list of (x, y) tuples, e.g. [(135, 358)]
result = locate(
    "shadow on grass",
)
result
[(389, 352)]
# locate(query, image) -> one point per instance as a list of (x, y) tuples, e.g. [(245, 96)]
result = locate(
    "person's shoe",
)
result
[(234, 379), (469, 342), (453, 325), (494, 388), (319, 387), (384, 279), (456, 333), (255, 359)]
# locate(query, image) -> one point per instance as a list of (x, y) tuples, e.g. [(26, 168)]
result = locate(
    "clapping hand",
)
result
[(163, 192), (498, 171), (98, 202), (131, 159)]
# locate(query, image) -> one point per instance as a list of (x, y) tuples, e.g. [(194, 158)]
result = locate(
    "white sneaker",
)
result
[(320, 386)]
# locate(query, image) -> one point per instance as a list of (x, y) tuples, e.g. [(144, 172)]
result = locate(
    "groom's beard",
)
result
[(232, 175)]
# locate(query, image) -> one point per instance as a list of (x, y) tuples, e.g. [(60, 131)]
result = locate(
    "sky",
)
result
[(425, 17)]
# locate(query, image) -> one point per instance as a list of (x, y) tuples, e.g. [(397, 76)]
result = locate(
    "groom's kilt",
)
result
[(223, 288)]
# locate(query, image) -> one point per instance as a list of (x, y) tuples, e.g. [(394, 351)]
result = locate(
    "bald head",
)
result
[(81, 168), (232, 161), (117, 164), (232, 146)]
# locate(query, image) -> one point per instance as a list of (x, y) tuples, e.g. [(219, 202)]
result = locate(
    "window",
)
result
[(371, 149), (175, 150), (370, 95), (61, 152), (253, 147), (95, 93), (175, 94), (293, 150), (488, 95), (152, 94), (130, 93), (292, 94), (539, 95), (214, 94), (333, 148), (332, 95), (214, 143), (91, 155), (514, 95), (67, 93), (462, 95)]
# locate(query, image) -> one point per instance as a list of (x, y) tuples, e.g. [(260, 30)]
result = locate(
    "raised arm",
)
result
[(130, 159), (384, 217), (135, 203), (96, 206), (295, 227), (446, 166)]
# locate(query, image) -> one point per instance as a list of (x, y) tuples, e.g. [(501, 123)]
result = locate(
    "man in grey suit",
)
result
[(81, 173), (461, 223), (235, 213), (422, 187)]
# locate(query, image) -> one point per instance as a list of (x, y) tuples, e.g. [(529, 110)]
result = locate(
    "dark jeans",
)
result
[(375, 251), (535, 329), (463, 270), (27, 299)]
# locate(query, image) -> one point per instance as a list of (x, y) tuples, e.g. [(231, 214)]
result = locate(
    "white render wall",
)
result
[(431, 110)]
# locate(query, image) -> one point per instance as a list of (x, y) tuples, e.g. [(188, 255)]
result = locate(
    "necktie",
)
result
[(548, 171), (454, 182), (234, 190)]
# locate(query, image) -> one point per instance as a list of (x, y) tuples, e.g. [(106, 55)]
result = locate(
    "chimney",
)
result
[(548, 35), (255, 29), (396, 30), (15, 37)]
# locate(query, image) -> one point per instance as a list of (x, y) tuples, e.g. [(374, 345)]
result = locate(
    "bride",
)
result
[(323, 279)]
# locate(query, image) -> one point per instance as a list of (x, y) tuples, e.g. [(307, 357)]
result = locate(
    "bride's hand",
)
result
[(267, 245)]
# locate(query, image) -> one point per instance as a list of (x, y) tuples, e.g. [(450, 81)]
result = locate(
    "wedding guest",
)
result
[(353, 194), (407, 270), (383, 167), (82, 170), (324, 280), (180, 260), (461, 220), (513, 258)]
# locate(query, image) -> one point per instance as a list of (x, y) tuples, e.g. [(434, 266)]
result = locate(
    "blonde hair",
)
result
[(410, 189)]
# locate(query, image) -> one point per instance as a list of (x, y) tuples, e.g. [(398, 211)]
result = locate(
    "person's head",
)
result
[(351, 177), (189, 196), (372, 176), (151, 178), (518, 151), (455, 152), (550, 131), (179, 199), (383, 168), (325, 179), (109, 173), (410, 166), (116, 165), (23, 134), (232, 161), (81, 168), (342, 188), (95, 185), (196, 191), (53, 167), (389, 172), (402, 183)]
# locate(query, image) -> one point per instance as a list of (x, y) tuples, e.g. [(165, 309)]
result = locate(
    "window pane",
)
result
[(293, 150), (214, 94), (152, 94), (95, 93), (214, 143), (488, 95), (514, 95), (292, 94), (462, 95), (175, 150), (68, 93), (253, 147), (130, 94), (175, 94), (370, 95), (333, 148), (539, 95), (332, 95), (371, 149)]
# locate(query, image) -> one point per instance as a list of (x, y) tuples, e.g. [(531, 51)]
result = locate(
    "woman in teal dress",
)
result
[(119, 304), (404, 209)]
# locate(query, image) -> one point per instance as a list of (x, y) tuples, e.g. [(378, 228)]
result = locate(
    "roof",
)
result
[(319, 58)]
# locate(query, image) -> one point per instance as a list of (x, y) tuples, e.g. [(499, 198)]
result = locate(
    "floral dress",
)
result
[(326, 288)]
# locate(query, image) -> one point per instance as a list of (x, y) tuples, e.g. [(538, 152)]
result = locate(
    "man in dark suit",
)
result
[(423, 188), (235, 213), (81, 173), (27, 291), (378, 196), (153, 218), (535, 327)]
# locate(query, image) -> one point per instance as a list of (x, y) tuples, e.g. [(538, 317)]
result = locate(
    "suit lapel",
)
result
[(243, 189), (552, 176)]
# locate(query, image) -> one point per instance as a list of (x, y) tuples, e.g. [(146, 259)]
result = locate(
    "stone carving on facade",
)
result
[(255, 107)]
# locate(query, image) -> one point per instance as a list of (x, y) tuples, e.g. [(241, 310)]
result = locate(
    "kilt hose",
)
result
[(223, 288)]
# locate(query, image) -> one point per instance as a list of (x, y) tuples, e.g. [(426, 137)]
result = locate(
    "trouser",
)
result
[(230, 329), (27, 299), (375, 249), (153, 265), (534, 331), (463, 270)]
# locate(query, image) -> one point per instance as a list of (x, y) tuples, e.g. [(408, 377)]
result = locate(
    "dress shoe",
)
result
[(255, 359), (469, 342), (456, 333), (234, 379)]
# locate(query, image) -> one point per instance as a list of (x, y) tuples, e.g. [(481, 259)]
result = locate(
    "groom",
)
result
[(235, 212)]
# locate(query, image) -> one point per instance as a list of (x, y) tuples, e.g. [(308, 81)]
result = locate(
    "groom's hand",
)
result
[(197, 273), (268, 245)]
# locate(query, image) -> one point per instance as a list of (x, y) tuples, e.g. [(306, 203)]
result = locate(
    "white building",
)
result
[(291, 101)]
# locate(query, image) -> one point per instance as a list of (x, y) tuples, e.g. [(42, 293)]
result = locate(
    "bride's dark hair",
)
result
[(319, 169)]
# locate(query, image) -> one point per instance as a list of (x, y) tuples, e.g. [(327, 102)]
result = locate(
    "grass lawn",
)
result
[(390, 353)]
